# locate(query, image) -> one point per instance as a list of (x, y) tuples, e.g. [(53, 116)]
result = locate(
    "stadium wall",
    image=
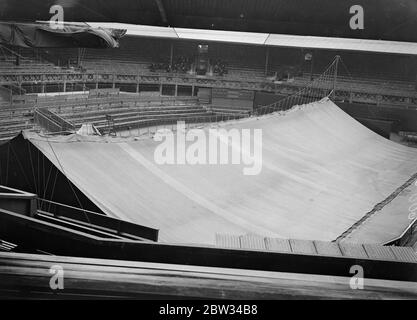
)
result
[(265, 98), (251, 60), (380, 119), (233, 99), (406, 118)]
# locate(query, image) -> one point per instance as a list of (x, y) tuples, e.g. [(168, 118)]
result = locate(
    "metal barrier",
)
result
[(153, 125), (95, 219), (51, 121), (67, 101), (18, 201)]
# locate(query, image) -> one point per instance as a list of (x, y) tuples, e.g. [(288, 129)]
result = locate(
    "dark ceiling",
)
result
[(384, 19)]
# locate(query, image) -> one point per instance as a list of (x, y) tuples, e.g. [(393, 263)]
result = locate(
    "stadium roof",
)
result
[(265, 39), (384, 19)]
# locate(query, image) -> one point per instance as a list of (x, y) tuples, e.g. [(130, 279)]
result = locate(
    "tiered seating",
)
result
[(374, 86), (26, 65), (379, 67), (136, 55), (222, 110), (133, 56), (83, 101), (242, 70), (133, 114), (8, 66), (125, 116), (13, 120), (240, 61)]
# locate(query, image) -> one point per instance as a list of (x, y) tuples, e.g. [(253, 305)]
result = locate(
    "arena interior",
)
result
[(80, 115)]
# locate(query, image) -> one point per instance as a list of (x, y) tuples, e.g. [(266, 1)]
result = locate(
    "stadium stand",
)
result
[(126, 111), (246, 65), (19, 60), (13, 120), (241, 61), (133, 56), (369, 78), (125, 117), (137, 54), (238, 63)]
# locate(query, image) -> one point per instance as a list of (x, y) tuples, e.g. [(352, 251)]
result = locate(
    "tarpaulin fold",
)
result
[(41, 35)]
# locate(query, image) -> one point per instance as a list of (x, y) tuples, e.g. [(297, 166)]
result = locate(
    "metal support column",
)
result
[(335, 77), (266, 60), (415, 70), (171, 56)]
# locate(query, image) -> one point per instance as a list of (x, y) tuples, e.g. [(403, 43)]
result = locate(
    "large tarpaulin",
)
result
[(322, 171), (41, 35)]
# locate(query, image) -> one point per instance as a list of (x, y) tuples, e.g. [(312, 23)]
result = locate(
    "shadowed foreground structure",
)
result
[(110, 279)]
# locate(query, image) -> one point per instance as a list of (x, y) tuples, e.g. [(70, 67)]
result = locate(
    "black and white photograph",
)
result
[(208, 156)]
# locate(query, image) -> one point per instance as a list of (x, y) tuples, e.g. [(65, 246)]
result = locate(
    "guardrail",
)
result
[(156, 77), (18, 201), (134, 128), (347, 89), (95, 219), (51, 121), (85, 99)]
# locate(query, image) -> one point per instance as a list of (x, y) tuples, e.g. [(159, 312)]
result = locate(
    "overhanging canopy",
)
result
[(265, 39), (384, 19)]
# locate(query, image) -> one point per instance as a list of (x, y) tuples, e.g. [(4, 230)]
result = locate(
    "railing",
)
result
[(14, 53), (97, 220), (6, 92), (347, 90), (17, 201), (151, 126), (155, 77), (120, 100), (50, 121)]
